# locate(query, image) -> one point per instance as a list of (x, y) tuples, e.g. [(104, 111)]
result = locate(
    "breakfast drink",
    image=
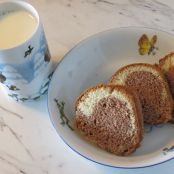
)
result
[(25, 61), (16, 27)]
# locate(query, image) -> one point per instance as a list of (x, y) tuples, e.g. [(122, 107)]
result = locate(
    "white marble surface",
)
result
[(28, 142)]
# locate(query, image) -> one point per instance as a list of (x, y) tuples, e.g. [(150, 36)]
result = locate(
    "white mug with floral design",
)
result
[(26, 68)]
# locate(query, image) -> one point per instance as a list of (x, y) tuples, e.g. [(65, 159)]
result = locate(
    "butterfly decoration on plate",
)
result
[(146, 45)]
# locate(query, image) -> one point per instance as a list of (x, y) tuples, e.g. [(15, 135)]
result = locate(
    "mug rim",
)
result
[(27, 7)]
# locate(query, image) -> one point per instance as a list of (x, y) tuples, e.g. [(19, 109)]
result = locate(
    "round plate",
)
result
[(93, 61)]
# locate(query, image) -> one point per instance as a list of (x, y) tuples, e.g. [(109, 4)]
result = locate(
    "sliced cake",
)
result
[(110, 116), (167, 66), (152, 89)]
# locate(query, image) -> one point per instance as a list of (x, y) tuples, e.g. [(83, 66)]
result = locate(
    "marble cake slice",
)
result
[(167, 65), (110, 116), (152, 89)]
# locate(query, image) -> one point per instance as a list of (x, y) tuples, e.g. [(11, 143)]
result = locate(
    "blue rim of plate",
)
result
[(64, 57)]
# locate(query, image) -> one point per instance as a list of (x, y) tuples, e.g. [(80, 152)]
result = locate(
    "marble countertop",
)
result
[(28, 142)]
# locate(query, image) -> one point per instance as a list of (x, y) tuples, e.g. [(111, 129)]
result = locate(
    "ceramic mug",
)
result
[(25, 70)]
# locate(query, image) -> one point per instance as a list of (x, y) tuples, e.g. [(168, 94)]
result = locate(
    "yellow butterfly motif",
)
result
[(147, 46)]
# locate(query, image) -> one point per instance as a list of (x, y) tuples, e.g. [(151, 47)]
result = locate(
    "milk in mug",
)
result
[(25, 61), (16, 27)]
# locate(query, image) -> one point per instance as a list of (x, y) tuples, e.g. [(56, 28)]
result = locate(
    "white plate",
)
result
[(93, 61)]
